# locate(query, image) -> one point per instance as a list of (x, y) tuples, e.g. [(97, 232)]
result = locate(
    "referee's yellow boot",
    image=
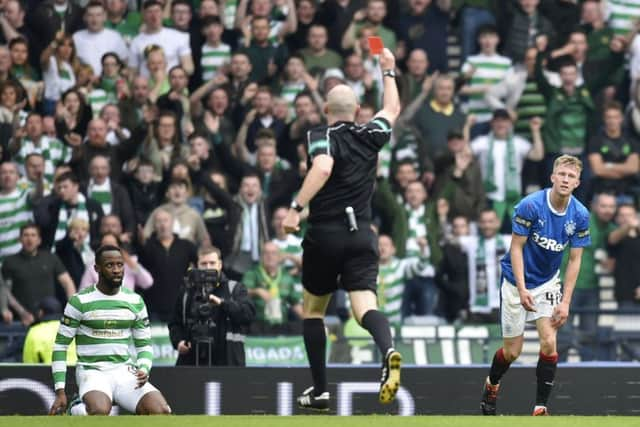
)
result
[(390, 382)]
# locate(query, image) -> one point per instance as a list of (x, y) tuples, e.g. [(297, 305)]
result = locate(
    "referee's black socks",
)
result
[(378, 326), (546, 373), (315, 341)]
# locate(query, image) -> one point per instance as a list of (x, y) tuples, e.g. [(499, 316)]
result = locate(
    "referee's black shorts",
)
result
[(331, 250)]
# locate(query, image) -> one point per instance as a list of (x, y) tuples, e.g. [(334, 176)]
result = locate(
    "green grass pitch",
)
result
[(321, 421)]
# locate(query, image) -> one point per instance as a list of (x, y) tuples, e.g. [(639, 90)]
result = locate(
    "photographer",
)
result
[(210, 316)]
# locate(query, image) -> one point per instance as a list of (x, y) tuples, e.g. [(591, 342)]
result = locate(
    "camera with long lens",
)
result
[(201, 327)]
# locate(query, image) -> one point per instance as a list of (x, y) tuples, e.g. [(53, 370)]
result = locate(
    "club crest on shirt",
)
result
[(570, 228)]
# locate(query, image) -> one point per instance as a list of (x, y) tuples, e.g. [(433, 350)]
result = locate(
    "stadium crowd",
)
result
[(163, 126)]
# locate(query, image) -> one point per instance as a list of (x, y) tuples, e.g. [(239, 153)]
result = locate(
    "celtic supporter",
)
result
[(104, 319)]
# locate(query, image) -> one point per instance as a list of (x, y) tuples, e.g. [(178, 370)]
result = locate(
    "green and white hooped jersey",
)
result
[(489, 70), (103, 327), (622, 14), (213, 58), (15, 211), (53, 150)]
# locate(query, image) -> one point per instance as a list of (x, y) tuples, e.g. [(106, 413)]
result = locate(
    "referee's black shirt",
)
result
[(354, 150)]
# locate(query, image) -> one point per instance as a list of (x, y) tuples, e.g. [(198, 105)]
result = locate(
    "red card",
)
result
[(375, 45)]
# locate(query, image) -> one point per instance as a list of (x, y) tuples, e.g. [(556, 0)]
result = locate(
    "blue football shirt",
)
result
[(549, 232)]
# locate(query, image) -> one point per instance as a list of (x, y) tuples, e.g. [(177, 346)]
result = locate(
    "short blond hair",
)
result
[(567, 160), (78, 223)]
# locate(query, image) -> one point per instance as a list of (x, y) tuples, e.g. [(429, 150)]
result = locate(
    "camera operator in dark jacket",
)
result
[(211, 316)]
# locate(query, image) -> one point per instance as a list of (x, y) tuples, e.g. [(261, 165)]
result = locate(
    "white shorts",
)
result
[(118, 383), (513, 316)]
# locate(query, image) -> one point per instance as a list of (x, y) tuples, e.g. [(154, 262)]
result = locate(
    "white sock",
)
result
[(79, 409)]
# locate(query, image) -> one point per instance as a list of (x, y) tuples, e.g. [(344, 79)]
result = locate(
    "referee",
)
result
[(339, 241)]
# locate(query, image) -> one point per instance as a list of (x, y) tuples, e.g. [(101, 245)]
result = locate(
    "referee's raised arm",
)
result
[(390, 98)]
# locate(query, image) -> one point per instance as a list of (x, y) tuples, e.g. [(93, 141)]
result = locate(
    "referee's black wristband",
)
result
[(297, 206)]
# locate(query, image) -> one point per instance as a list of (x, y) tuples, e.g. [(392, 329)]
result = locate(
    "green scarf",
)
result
[(479, 288), (273, 307), (511, 179)]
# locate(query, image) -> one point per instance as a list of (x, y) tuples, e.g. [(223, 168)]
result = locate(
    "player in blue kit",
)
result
[(544, 224)]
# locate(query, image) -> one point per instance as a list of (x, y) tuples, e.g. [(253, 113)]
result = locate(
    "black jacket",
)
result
[(46, 216), (231, 318), (120, 206), (71, 258)]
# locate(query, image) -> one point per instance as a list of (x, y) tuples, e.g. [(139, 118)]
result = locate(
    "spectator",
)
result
[(74, 250), (73, 115), (624, 244), (187, 223), (252, 230), (599, 34), (436, 118), (40, 339), (162, 146), (373, 15), (307, 116), (53, 17), (289, 244), (135, 275), (111, 85), (96, 40), (15, 208), (501, 155), (266, 59), (97, 145), (484, 252), (156, 62), (518, 93), (12, 24), (277, 29), (31, 275), (34, 175), (306, 12), (425, 26), (216, 55), (112, 196), (411, 82), (594, 73), (132, 108), (167, 257), (586, 295), (22, 70), (421, 295), (144, 191), (294, 81), (221, 214), (362, 83), (317, 57), (614, 155), (33, 140), (482, 71), (111, 224), (393, 274), (121, 19), (277, 298), (568, 110), (336, 16), (54, 214), (181, 15), (116, 133), (459, 179), (176, 100), (522, 25), (173, 43), (453, 273), (474, 14), (255, 122)]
